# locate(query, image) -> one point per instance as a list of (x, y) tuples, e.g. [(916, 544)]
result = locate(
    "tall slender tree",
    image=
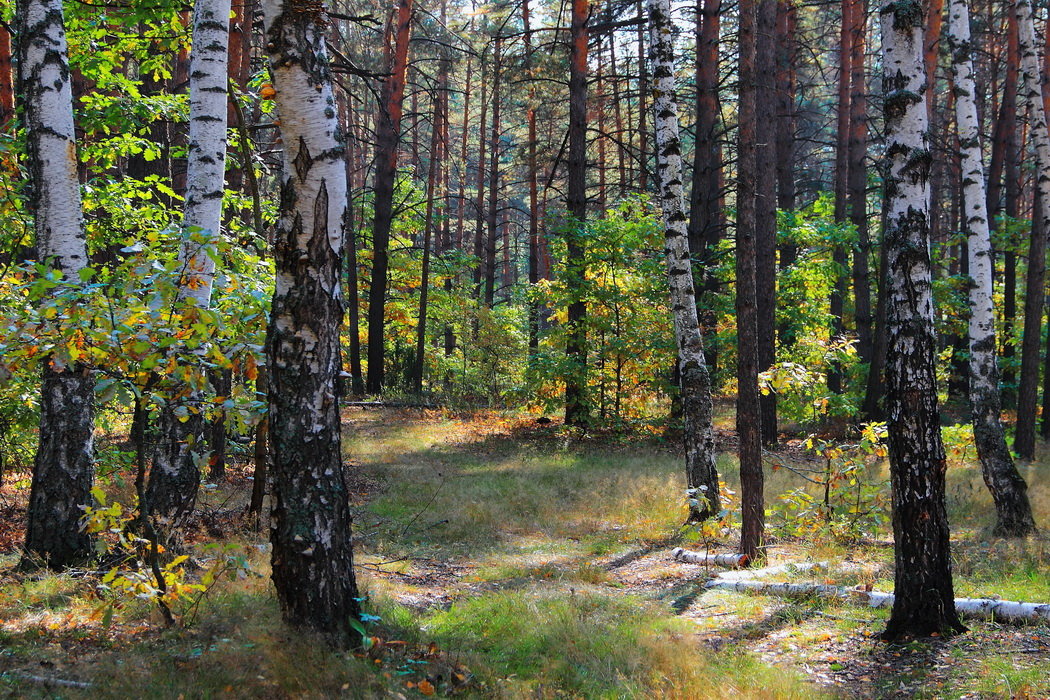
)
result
[(766, 206), (748, 408), (1008, 488), (1031, 89), (925, 599), (63, 470), (577, 405), (7, 85), (842, 113), (388, 138), (175, 477), (313, 568), (699, 437)]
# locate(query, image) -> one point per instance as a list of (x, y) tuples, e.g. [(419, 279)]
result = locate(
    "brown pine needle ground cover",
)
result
[(507, 558)]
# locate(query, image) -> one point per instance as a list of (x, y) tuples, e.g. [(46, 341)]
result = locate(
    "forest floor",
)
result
[(503, 556)]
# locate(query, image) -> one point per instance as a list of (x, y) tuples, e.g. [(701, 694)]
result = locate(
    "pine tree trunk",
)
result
[(699, 438), (748, 410), (787, 122), (7, 86), (63, 469), (388, 137), (353, 308), (1031, 89), (924, 602), (857, 181), (707, 222), (577, 405), (533, 178), (312, 554), (643, 113), (479, 193), (493, 174), (1009, 491), (433, 185), (836, 305), (1009, 168), (171, 493), (766, 208)]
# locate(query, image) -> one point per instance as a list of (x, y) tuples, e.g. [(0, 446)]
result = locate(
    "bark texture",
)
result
[(171, 493), (310, 531), (748, 410), (388, 137), (699, 437), (1031, 91), (63, 467), (577, 405), (766, 206), (1009, 491), (923, 575)]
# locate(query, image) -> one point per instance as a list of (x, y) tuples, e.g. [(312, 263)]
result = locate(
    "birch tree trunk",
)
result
[(63, 468), (1009, 491), (923, 575), (175, 477), (1031, 91), (310, 532), (699, 437)]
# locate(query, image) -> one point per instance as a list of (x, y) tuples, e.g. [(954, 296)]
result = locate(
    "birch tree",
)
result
[(1008, 488), (63, 467), (700, 470), (175, 476), (923, 575), (1031, 91), (312, 554)]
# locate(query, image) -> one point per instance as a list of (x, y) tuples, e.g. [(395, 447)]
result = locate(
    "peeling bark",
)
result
[(310, 517), (63, 469), (923, 574)]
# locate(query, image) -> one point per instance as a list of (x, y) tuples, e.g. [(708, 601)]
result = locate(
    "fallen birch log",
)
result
[(732, 561), (983, 608), (799, 568), (44, 680), (739, 561)]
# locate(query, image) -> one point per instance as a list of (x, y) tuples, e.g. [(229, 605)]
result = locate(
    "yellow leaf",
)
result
[(426, 687)]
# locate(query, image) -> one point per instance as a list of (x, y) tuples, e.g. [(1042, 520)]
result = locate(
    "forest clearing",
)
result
[(505, 558), (526, 349)]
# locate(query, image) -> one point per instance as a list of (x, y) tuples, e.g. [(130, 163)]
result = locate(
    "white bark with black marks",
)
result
[(63, 468), (312, 554), (176, 475), (1030, 91), (206, 151), (1008, 488), (923, 573), (699, 437)]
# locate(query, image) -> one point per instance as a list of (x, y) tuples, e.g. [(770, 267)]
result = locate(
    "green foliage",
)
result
[(851, 503), (629, 326), (128, 322)]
